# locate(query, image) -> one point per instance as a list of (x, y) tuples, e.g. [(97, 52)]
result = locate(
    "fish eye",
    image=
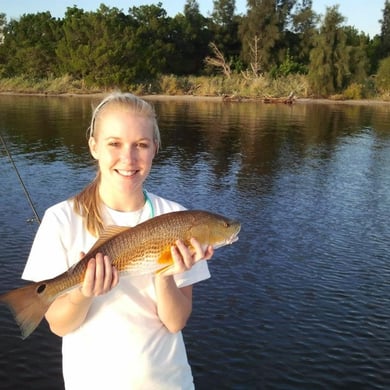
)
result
[(41, 288)]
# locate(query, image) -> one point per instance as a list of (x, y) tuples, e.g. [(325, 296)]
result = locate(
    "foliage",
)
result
[(303, 29), (354, 92), (385, 31), (237, 86), (259, 33), (223, 26), (143, 49), (288, 66), (29, 46), (383, 76), (329, 59)]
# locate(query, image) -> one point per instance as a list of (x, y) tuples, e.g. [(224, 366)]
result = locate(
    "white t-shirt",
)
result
[(122, 344)]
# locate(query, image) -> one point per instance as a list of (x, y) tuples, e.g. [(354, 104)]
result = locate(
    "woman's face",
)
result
[(124, 147)]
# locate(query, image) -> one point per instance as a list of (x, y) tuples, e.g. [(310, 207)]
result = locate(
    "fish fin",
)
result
[(165, 257), (108, 233), (166, 260), (28, 305), (164, 269)]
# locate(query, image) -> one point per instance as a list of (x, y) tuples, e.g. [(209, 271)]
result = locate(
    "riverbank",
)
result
[(293, 88), (237, 99)]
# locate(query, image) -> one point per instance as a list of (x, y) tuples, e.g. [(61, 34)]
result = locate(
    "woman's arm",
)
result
[(174, 305), (69, 311)]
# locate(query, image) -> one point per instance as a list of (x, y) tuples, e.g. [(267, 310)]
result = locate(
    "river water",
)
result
[(301, 301)]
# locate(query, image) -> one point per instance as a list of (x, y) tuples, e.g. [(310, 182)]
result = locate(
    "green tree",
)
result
[(383, 76), (74, 49), (374, 53), (29, 46), (358, 60), (190, 35), (303, 24), (385, 31), (149, 43), (223, 12), (92, 45), (3, 23), (329, 59), (224, 28), (259, 32)]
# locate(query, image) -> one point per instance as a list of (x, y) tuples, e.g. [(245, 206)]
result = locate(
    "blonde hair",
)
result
[(88, 203)]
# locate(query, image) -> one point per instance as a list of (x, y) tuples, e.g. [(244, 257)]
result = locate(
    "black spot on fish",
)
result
[(41, 288)]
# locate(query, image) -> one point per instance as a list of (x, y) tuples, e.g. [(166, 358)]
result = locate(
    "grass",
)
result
[(240, 85)]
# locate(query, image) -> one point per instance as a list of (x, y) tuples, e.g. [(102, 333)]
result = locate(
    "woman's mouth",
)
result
[(126, 173)]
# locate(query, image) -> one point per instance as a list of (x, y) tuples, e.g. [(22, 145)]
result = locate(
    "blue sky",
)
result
[(362, 14)]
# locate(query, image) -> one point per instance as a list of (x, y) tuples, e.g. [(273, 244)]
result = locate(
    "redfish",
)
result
[(142, 249)]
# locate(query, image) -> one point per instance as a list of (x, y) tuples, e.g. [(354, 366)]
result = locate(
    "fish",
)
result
[(143, 249)]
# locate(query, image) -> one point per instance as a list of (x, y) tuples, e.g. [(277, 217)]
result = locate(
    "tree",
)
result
[(74, 49), (329, 59), (29, 46), (259, 32), (374, 55), (191, 36), (358, 60), (383, 76), (3, 22), (3, 61), (92, 45), (224, 28), (223, 12), (304, 22), (385, 31), (150, 45)]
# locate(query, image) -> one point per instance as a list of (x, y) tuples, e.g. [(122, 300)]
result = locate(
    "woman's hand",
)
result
[(101, 276), (174, 305), (185, 257), (69, 311)]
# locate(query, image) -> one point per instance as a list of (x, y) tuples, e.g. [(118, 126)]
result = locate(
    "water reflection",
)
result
[(301, 300)]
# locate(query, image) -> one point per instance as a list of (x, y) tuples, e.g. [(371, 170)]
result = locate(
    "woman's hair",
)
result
[(88, 203)]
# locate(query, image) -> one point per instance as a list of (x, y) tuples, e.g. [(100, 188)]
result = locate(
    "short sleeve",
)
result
[(48, 257)]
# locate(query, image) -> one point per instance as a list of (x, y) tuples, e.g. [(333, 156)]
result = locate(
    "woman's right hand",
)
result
[(69, 311), (101, 277)]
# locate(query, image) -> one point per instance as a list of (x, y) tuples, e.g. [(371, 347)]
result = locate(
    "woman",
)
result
[(119, 333)]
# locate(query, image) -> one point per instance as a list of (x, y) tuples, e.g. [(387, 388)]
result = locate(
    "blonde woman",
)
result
[(118, 332)]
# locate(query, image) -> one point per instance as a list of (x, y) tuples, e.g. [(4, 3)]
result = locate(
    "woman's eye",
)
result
[(143, 145)]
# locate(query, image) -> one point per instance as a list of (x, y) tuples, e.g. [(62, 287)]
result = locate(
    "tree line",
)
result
[(110, 48)]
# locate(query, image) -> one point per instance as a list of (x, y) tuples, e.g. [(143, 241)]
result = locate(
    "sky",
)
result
[(362, 14)]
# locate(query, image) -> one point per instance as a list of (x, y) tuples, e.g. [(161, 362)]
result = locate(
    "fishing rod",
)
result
[(36, 218)]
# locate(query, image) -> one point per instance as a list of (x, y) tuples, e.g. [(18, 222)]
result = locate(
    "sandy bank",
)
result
[(238, 99)]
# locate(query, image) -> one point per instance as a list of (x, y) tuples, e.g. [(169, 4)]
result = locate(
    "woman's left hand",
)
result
[(185, 257)]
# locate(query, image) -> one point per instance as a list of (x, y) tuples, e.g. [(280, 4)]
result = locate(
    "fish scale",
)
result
[(142, 249)]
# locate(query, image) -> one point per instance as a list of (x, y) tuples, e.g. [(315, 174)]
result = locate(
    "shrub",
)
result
[(383, 76), (354, 92)]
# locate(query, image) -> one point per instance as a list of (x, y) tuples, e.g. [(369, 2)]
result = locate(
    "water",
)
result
[(300, 301)]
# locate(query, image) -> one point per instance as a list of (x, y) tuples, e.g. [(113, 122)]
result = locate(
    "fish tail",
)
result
[(28, 305)]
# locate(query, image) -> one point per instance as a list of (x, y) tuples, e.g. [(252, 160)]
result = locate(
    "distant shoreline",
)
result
[(363, 102)]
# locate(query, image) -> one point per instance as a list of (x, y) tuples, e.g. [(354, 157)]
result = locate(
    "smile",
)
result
[(125, 173)]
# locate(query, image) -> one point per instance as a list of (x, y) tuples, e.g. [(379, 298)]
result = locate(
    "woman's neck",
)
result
[(123, 202)]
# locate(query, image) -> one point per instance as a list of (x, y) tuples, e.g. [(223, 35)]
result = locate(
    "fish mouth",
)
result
[(233, 238), (126, 172)]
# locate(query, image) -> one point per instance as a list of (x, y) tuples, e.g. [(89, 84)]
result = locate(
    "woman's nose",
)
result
[(128, 154)]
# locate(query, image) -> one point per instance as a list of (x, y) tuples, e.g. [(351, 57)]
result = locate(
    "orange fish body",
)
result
[(145, 248)]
